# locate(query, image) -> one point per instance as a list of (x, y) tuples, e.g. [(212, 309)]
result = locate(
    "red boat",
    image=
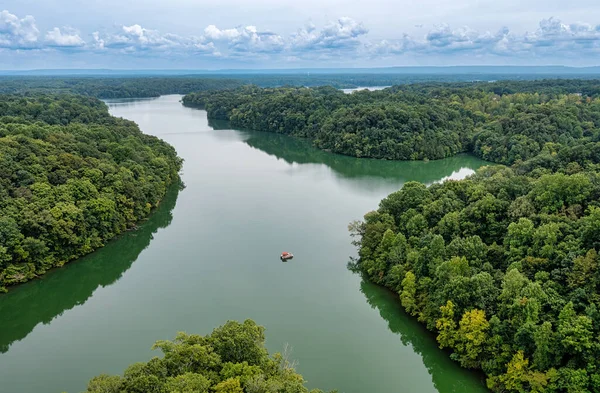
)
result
[(286, 255)]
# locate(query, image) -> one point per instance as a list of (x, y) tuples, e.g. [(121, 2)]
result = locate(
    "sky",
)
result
[(246, 34)]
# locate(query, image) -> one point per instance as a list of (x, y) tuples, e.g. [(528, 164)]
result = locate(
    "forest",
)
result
[(503, 122), (112, 87), (72, 177), (232, 359), (138, 86), (503, 266)]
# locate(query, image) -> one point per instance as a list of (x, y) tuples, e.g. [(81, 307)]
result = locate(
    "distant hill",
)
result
[(430, 70)]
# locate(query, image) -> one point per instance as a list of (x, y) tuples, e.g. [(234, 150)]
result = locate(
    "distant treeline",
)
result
[(101, 87), (347, 80), (128, 86), (504, 122), (71, 178)]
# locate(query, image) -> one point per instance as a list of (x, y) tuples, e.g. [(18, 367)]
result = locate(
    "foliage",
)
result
[(149, 84), (198, 364), (71, 178), (502, 265), (113, 87), (503, 122)]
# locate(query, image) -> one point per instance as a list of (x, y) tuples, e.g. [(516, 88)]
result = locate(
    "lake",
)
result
[(210, 253), (370, 88)]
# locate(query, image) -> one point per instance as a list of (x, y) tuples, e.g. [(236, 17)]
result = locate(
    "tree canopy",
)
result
[(503, 265), (143, 84), (71, 178), (503, 122), (232, 359), (113, 87)]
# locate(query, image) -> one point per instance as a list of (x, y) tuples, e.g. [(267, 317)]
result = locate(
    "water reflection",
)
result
[(40, 301), (446, 375), (127, 101), (373, 174), (369, 88)]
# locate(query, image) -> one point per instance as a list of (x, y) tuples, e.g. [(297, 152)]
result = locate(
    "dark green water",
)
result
[(211, 253)]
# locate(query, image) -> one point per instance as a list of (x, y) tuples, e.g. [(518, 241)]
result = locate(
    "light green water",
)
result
[(211, 253)]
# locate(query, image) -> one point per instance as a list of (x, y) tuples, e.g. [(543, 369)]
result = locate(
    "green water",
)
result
[(211, 253)]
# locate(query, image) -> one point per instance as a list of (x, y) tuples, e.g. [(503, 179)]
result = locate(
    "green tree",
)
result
[(575, 332), (446, 326), (408, 294), (192, 364), (105, 384), (231, 385), (239, 342), (187, 383), (471, 337), (519, 377)]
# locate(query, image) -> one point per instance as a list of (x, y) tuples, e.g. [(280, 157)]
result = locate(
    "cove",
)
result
[(210, 253)]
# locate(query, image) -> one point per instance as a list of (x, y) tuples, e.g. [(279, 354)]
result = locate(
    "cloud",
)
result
[(442, 39), (212, 32), (341, 35), (67, 38), (234, 42), (98, 41), (551, 38), (555, 36), (464, 38), (17, 33), (242, 40), (137, 38), (341, 40)]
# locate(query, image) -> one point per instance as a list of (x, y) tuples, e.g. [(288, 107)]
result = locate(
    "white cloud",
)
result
[(465, 38), (443, 39), (212, 32), (65, 38), (17, 33), (98, 41), (343, 34), (343, 40), (552, 38), (244, 40), (136, 38)]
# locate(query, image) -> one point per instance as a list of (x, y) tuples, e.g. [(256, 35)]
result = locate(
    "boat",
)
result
[(286, 255)]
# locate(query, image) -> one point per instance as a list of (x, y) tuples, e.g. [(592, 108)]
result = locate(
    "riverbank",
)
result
[(74, 178)]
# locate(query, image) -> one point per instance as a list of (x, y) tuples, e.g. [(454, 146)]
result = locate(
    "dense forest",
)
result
[(71, 178), (136, 86), (378, 77), (232, 359), (502, 122), (113, 87), (503, 266)]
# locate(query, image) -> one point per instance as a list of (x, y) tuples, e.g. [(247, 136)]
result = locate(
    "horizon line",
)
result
[(301, 68)]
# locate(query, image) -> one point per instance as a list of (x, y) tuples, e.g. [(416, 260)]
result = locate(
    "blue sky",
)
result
[(126, 34)]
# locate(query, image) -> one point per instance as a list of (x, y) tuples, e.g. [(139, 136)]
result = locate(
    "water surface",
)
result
[(370, 88), (210, 254)]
